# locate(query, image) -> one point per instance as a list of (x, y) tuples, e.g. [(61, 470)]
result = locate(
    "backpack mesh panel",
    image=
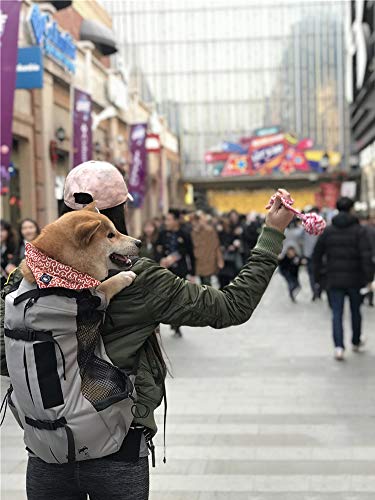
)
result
[(100, 379)]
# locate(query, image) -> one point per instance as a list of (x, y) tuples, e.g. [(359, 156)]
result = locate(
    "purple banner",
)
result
[(10, 13), (137, 178), (82, 127)]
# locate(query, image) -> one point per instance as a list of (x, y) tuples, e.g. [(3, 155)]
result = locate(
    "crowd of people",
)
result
[(211, 249)]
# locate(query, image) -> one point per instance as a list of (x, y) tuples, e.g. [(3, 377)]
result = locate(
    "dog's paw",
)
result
[(127, 277)]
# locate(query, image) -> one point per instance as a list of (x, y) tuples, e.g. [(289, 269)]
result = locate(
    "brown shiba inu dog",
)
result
[(88, 242)]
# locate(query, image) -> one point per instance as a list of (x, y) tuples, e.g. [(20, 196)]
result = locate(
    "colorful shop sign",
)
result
[(278, 153), (29, 68), (56, 44)]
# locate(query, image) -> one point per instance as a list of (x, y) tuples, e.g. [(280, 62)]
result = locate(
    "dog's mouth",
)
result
[(124, 261)]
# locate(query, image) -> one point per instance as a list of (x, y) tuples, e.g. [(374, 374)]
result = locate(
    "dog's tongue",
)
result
[(123, 258)]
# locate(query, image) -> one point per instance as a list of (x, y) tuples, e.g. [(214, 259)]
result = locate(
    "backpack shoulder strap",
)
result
[(36, 293)]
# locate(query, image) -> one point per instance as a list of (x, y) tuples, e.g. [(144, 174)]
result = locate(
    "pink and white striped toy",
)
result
[(313, 223)]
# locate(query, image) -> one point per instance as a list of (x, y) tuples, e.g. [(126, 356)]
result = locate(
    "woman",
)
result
[(28, 231), (8, 247), (148, 238), (156, 296)]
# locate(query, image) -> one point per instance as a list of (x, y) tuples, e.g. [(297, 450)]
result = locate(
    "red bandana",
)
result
[(49, 273)]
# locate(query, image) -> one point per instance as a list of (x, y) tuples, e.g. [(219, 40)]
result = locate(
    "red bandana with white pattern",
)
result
[(49, 273)]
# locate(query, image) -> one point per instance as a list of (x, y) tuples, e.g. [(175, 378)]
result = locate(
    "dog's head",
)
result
[(87, 241)]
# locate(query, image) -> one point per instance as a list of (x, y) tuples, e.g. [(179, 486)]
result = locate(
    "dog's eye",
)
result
[(110, 235)]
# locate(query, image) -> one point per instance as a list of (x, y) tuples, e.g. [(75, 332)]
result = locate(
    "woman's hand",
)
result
[(278, 216)]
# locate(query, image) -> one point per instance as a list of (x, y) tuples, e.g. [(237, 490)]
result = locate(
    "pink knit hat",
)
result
[(101, 180)]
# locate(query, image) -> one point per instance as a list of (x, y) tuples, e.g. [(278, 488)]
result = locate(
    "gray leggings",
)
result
[(101, 479)]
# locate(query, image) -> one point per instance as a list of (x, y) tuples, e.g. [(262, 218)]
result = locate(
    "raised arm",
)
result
[(173, 300)]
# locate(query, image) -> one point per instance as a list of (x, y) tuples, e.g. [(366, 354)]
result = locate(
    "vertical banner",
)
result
[(137, 177), (9, 20), (82, 127)]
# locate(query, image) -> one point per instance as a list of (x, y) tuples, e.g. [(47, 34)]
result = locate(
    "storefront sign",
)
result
[(153, 143), (56, 44), (137, 178), (82, 127), (9, 17), (29, 68)]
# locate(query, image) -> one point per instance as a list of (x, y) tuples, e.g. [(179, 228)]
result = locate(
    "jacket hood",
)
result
[(343, 220)]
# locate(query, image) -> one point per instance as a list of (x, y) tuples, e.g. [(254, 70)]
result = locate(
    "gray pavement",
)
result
[(258, 412)]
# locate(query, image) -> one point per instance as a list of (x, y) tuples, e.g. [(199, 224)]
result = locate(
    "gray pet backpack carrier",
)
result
[(71, 401)]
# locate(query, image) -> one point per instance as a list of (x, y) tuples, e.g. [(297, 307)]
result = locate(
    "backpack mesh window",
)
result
[(102, 383)]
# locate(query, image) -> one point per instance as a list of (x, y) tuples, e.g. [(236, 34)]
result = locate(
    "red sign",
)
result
[(153, 143)]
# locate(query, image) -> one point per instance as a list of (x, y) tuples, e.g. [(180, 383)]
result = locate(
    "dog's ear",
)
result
[(86, 230), (91, 207)]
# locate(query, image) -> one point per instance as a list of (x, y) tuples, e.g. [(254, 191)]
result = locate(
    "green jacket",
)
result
[(158, 296)]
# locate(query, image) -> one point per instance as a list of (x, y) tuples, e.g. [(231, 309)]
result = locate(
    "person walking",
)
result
[(148, 238), (346, 249), (174, 250), (206, 247), (130, 336), (289, 265)]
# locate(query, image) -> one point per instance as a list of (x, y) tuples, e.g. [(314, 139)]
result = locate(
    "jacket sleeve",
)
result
[(172, 300)]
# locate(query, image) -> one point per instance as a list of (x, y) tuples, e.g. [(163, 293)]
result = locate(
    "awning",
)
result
[(101, 36), (61, 4)]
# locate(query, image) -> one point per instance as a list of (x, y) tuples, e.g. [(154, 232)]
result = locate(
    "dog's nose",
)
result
[(138, 243)]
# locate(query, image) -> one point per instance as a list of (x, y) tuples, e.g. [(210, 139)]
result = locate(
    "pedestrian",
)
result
[(230, 246), (289, 265), (28, 231), (8, 248), (206, 247), (251, 232), (129, 334), (174, 250), (149, 237), (349, 267), (293, 236)]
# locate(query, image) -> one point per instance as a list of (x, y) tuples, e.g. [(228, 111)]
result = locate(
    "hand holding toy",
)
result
[(313, 223)]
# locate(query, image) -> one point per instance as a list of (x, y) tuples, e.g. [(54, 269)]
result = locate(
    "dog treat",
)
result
[(313, 223)]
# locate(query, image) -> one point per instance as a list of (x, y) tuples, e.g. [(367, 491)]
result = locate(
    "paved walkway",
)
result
[(258, 412)]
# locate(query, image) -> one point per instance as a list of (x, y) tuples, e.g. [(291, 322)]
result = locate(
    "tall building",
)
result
[(361, 95), (220, 69)]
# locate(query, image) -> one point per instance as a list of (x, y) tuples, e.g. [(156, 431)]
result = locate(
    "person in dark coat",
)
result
[(289, 265), (174, 250), (346, 248), (8, 247)]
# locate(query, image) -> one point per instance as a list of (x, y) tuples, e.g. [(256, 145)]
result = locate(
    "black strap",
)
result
[(4, 404), (35, 335), (52, 425), (36, 293), (165, 423), (28, 335), (151, 447)]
